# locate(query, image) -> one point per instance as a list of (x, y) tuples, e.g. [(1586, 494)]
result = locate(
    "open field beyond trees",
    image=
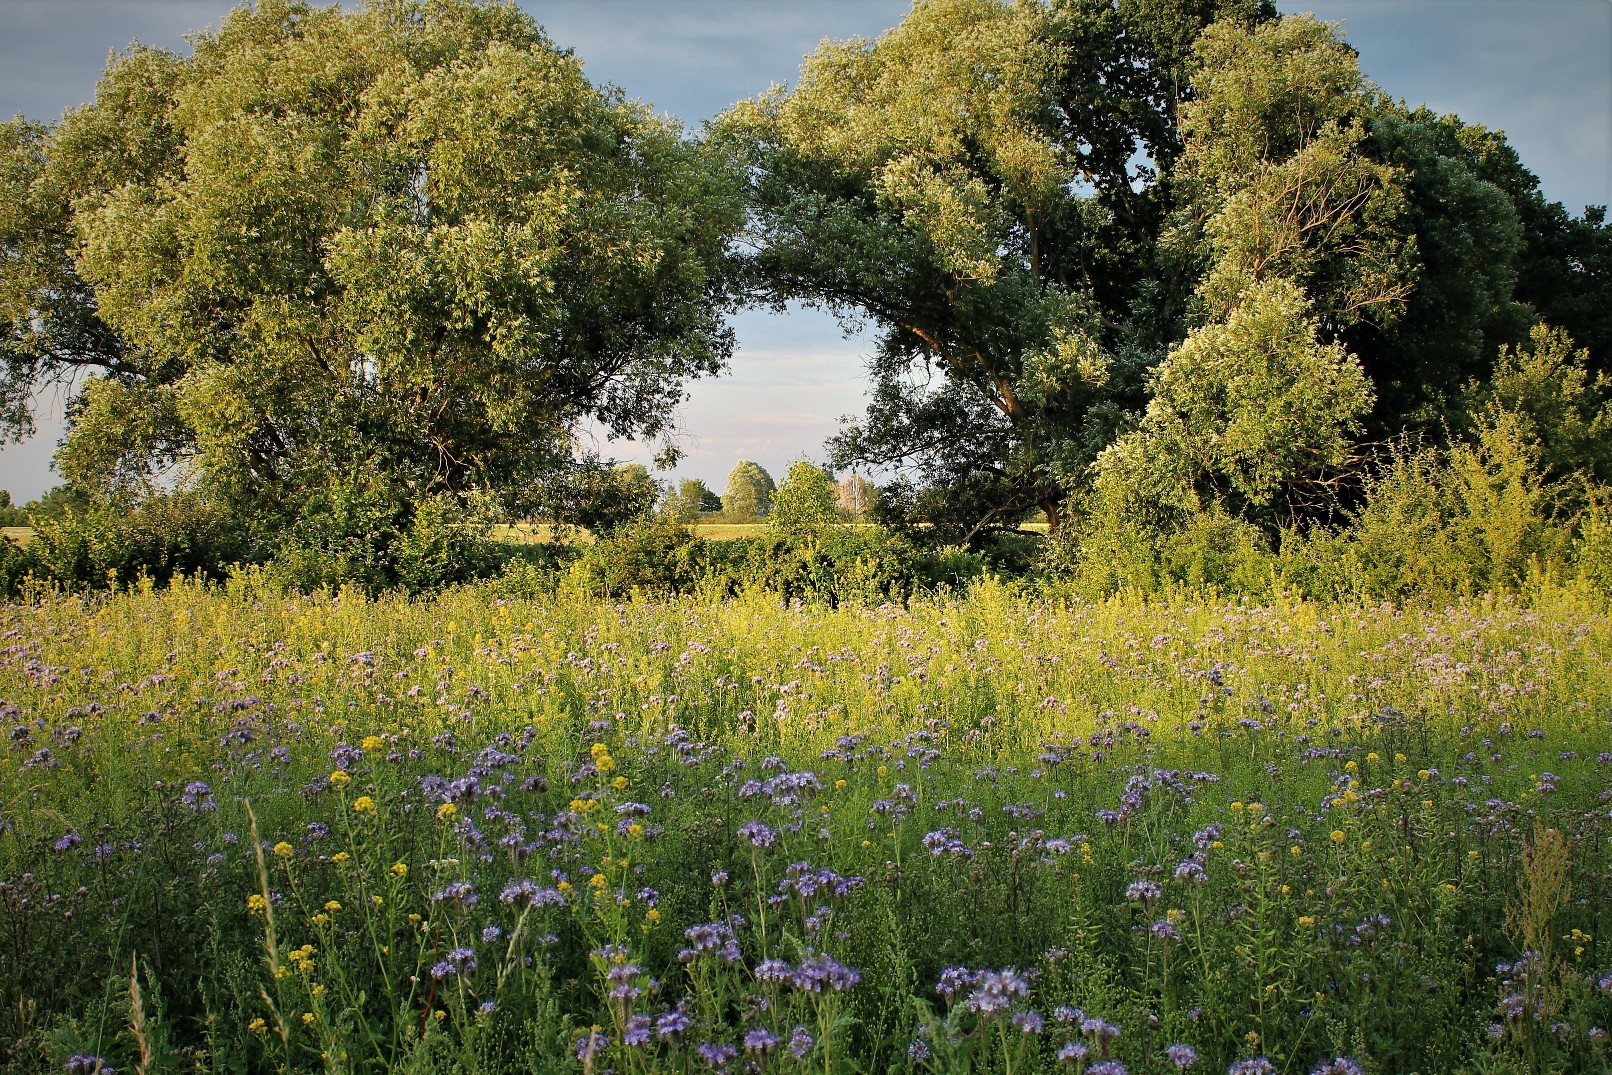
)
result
[(241, 831)]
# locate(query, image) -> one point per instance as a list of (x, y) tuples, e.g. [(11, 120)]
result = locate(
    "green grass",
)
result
[(1297, 832)]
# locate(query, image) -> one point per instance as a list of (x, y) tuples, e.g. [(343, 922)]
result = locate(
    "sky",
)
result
[(1540, 70)]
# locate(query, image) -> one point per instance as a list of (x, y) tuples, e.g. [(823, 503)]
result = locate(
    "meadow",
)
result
[(1000, 830)]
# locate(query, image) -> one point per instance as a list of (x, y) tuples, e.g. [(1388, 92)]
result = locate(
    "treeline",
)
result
[(341, 288)]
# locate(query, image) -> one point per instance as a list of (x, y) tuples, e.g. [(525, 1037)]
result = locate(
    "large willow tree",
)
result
[(384, 255)]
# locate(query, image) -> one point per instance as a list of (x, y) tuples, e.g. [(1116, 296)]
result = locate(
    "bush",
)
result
[(159, 537)]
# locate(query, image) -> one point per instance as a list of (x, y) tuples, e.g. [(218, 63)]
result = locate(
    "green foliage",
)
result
[(966, 182), (1548, 387), (1202, 823), (410, 237), (1249, 406), (748, 497), (804, 506), (110, 543), (11, 514), (597, 497), (689, 500)]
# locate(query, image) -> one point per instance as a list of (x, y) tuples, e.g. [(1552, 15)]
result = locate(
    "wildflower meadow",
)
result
[(987, 831)]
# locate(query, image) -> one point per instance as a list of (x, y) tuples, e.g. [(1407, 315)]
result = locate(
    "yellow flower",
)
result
[(332, 905), (308, 1017), (1295, 850), (635, 831), (373, 742), (1338, 836), (340, 856), (447, 812), (364, 805), (414, 918), (1237, 807), (1307, 921), (1352, 767), (400, 869), (1425, 774), (319, 919), (1401, 758), (1256, 808), (317, 990), (839, 783), (256, 904), (284, 850), (338, 778), (619, 783), (377, 900), (1474, 853), (256, 1026), (597, 881), (884, 770), (1374, 756), (606, 764), (564, 886), (1365, 845), (652, 915), (439, 1015)]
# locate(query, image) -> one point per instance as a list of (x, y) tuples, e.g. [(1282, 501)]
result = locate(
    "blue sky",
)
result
[(1541, 70)]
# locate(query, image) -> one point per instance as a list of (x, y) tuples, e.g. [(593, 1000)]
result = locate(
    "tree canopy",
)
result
[(1037, 203), (390, 253)]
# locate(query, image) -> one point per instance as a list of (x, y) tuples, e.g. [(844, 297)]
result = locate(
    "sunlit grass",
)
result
[(512, 836)]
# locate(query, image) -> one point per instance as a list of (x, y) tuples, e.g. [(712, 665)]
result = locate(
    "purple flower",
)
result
[(773, 970), (1106, 1067), (87, 1064), (1341, 1065), (1257, 1066), (1182, 1056), (815, 973), (491, 935), (1071, 1051), (995, 991), (715, 938), (67, 843), (761, 1041), (716, 1054), (758, 834), (800, 1042), (458, 894), (954, 980), (1165, 930), (591, 1044), (637, 1034), (671, 1024), (1030, 1022), (918, 1051), (1142, 890), (526, 894)]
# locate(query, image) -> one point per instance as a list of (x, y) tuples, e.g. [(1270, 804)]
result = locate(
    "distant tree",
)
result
[(336, 263), (689, 500), (11, 514), (598, 497), (804, 504), (749, 493), (855, 497)]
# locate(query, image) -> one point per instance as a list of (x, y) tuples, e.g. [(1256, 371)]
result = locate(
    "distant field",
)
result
[(22, 535), (542, 533)]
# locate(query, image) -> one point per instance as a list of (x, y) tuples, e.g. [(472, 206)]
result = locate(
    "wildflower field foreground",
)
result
[(991, 832)]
